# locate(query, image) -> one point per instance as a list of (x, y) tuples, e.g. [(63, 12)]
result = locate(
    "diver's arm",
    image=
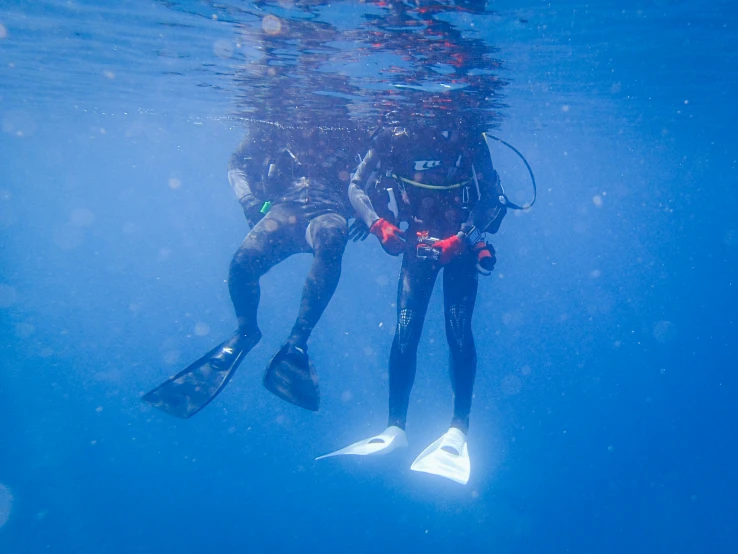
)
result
[(357, 195), (489, 210), (238, 176)]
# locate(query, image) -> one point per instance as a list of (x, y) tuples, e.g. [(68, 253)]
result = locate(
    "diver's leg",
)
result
[(414, 289), (186, 393), (270, 241), (290, 375), (326, 235), (459, 295)]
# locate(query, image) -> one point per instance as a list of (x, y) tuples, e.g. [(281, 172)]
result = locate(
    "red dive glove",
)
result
[(450, 248), (486, 258), (392, 238)]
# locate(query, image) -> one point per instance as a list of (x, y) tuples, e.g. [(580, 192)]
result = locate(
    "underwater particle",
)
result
[(174, 183), (615, 88), (24, 330), (664, 331), (202, 329), (525, 370), (6, 504), (67, 237), (731, 237), (565, 108), (595, 273), (223, 49), (8, 296), (108, 74), (171, 357), (368, 351), (382, 280), (81, 217), (512, 319), (511, 385), (18, 123), (346, 396), (45, 353), (3, 31), (271, 25), (597, 200)]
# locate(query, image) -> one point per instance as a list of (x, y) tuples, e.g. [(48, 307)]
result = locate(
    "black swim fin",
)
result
[(291, 376), (193, 388)]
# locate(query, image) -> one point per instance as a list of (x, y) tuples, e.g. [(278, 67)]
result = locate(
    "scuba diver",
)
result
[(442, 184), (292, 185)]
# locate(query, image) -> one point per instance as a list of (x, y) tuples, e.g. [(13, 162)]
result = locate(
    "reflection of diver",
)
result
[(442, 183), (292, 185)]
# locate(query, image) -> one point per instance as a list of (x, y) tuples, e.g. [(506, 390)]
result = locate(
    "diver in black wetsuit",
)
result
[(292, 185), (443, 185)]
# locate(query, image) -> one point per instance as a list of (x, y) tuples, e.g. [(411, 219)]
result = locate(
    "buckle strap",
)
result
[(431, 187)]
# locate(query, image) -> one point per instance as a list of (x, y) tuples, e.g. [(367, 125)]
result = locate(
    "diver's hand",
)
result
[(450, 248), (486, 258), (252, 212), (358, 230), (391, 238)]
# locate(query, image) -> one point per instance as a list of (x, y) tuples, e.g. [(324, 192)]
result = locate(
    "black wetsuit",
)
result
[(464, 191), (305, 175)]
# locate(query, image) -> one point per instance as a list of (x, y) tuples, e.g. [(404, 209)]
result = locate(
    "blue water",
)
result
[(604, 416)]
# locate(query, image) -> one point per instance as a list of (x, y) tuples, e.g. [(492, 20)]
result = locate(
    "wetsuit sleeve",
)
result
[(242, 174), (357, 189), (489, 211)]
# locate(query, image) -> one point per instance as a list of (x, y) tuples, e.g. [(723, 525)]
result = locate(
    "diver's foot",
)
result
[(240, 344), (291, 376), (391, 439), (193, 388), (447, 457)]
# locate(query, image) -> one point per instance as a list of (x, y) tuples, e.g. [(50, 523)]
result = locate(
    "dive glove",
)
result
[(358, 230), (450, 248), (391, 237), (486, 258)]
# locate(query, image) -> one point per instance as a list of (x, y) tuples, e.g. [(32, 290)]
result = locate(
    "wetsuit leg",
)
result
[(277, 236), (460, 282), (417, 278), (326, 235)]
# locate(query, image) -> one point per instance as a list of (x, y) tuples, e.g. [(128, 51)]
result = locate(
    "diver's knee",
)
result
[(245, 262), (330, 240)]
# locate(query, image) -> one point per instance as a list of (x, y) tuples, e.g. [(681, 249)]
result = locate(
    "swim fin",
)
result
[(391, 439), (193, 388), (291, 376), (447, 457)]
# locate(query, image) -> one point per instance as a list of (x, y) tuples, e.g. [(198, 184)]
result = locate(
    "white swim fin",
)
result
[(447, 457), (391, 439)]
